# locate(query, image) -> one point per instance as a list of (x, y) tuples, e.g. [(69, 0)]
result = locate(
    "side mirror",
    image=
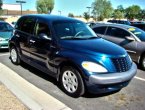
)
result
[(130, 38), (44, 36)]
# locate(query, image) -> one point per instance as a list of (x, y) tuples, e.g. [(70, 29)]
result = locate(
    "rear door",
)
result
[(24, 30), (118, 36)]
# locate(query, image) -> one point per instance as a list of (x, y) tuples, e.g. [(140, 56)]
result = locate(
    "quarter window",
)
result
[(28, 25), (117, 32)]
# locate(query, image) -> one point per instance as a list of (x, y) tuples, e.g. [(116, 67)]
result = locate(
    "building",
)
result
[(15, 10)]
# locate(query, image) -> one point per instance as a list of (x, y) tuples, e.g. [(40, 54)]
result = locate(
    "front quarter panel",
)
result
[(77, 58)]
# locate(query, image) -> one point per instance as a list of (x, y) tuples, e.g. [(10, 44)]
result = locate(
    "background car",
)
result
[(129, 37), (136, 22), (91, 24), (120, 22), (139, 25), (5, 33)]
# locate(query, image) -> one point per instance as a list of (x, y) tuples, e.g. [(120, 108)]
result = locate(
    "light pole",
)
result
[(89, 8), (59, 12), (21, 2)]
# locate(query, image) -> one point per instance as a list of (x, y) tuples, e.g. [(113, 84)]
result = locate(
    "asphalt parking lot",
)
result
[(130, 98)]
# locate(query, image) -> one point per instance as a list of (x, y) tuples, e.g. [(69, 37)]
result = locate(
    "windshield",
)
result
[(73, 30), (138, 33), (5, 27)]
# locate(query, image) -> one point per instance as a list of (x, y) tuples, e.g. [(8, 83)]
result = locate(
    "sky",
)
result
[(77, 7)]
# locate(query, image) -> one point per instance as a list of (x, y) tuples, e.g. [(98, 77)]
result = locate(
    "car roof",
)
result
[(114, 25), (51, 18)]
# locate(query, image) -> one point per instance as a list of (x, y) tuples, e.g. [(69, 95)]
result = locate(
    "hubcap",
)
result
[(144, 62), (70, 81), (13, 55)]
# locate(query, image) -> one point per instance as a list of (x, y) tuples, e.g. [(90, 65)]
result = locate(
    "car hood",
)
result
[(99, 47), (5, 35)]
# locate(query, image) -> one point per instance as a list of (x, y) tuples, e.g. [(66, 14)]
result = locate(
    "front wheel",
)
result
[(143, 62), (71, 82), (14, 56)]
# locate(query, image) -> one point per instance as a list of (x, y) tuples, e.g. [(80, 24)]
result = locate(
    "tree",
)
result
[(120, 8), (132, 11), (118, 14), (86, 16), (141, 15), (71, 15), (44, 6), (102, 9), (1, 10)]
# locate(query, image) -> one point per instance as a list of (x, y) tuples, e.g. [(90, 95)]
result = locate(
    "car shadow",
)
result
[(139, 67), (97, 95), (56, 83), (4, 50), (39, 73)]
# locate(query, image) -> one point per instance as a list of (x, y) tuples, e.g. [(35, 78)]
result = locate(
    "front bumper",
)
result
[(110, 82)]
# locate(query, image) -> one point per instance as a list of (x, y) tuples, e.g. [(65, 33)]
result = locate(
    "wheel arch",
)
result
[(71, 64)]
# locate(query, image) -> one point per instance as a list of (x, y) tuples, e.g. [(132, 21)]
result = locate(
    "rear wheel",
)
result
[(14, 56), (142, 62), (71, 82)]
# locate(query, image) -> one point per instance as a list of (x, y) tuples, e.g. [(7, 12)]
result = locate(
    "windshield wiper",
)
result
[(94, 37)]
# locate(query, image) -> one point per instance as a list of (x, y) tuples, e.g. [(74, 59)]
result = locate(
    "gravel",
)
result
[(8, 101)]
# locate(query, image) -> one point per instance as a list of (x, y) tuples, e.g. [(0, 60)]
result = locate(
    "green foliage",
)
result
[(102, 9), (141, 15), (120, 8), (86, 16), (118, 14), (132, 11), (44, 6), (1, 10), (71, 15)]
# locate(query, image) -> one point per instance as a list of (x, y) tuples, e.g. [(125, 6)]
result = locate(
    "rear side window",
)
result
[(100, 30), (117, 32), (26, 25)]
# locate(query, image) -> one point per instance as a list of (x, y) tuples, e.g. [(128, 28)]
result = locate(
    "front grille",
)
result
[(122, 64)]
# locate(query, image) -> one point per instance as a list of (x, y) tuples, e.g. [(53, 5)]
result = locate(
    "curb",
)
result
[(31, 96)]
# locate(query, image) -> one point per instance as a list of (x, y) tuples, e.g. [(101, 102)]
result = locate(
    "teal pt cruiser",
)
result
[(5, 33)]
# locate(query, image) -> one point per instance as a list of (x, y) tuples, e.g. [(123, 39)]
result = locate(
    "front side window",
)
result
[(73, 30), (117, 32)]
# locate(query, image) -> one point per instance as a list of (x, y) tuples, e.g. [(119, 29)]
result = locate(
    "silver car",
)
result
[(129, 37)]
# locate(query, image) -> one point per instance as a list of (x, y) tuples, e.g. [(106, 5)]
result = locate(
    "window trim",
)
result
[(118, 28)]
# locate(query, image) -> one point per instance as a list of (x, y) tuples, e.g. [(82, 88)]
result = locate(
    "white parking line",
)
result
[(4, 54), (139, 78)]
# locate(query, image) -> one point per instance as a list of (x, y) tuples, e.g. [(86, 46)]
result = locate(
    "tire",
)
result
[(142, 62), (14, 56), (71, 82)]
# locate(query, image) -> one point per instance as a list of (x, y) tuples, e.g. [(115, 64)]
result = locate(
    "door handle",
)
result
[(53, 47), (17, 35), (32, 41)]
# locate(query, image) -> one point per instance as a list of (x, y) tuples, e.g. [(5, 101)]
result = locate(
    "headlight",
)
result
[(93, 67), (2, 39)]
